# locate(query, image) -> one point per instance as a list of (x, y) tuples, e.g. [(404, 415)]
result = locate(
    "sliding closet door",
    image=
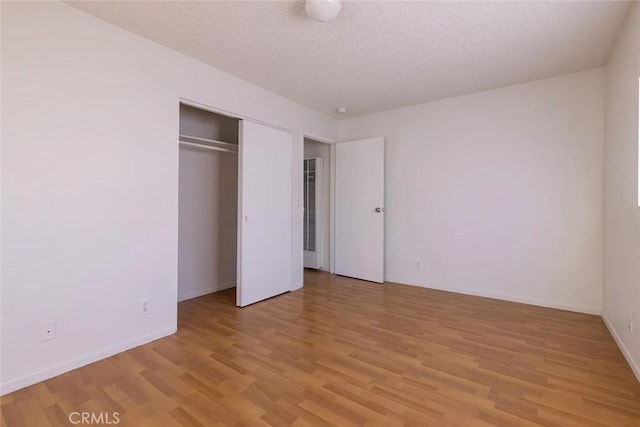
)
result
[(264, 213)]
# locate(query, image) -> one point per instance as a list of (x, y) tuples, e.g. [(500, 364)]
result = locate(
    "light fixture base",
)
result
[(323, 10)]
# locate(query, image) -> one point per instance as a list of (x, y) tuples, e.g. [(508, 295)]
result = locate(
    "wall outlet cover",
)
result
[(145, 306)]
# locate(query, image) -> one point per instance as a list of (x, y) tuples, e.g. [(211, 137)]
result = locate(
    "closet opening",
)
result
[(208, 203), (317, 185)]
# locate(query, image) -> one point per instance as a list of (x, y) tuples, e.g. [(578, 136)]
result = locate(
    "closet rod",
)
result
[(197, 140), (208, 147)]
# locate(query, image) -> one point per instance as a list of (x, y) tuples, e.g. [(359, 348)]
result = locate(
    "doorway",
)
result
[(317, 204), (343, 220), (208, 200)]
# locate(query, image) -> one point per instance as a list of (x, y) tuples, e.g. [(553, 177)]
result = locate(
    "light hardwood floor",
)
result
[(344, 352)]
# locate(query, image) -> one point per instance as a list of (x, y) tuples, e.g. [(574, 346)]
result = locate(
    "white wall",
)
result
[(315, 149), (207, 222), (621, 296), (497, 193), (90, 183)]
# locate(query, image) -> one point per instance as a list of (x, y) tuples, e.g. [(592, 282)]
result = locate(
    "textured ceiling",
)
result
[(379, 55)]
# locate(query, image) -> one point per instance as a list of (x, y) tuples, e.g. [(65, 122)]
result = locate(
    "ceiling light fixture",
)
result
[(341, 110), (323, 10)]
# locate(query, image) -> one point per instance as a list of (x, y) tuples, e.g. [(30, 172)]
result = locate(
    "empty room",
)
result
[(320, 213)]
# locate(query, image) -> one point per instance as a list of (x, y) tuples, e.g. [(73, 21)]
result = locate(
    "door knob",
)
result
[(379, 210)]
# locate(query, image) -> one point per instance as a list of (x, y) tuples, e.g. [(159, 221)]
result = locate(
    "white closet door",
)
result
[(264, 213), (359, 209)]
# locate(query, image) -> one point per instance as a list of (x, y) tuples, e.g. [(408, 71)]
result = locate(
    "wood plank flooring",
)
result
[(341, 352)]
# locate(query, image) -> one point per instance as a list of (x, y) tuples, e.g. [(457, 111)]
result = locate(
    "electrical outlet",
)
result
[(47, 330), (145, 306), (630, 322)]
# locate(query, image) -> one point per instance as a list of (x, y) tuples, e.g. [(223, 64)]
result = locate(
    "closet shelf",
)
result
[(211, 144)]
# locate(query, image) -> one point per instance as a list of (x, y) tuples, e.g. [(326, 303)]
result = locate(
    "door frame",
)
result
[(332, 195)]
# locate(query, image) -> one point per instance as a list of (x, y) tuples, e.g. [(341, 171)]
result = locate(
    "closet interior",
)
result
[(208, 202)]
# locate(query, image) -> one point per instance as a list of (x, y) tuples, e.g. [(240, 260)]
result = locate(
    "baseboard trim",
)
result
[(204, 291), (625, 351), (530, 301), (53, 371)]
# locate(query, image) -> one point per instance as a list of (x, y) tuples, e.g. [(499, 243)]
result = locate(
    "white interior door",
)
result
[(359, 209), (264, 213)]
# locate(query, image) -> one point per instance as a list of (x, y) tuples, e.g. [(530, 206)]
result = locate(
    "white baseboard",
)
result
[(625, 351), (53, 371), (204, 291), (531, 301)]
